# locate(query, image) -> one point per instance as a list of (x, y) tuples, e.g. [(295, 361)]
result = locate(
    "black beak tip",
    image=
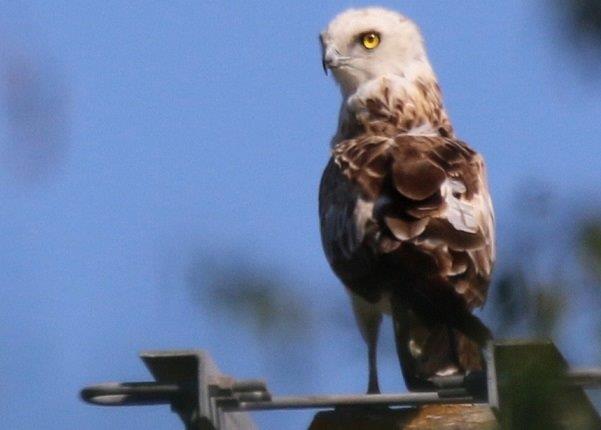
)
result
[(325, 67)]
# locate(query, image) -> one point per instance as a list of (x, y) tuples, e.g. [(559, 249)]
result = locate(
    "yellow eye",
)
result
[(370, 40)]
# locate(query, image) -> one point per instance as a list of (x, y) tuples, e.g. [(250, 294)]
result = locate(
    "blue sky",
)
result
[(204, 125)]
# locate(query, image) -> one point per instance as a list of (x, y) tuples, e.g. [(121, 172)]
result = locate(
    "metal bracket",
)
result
[(206, 399), (528, 378), (190, 382)]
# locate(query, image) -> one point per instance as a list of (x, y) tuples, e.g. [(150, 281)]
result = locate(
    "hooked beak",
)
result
[(323, 54), (331, 58)]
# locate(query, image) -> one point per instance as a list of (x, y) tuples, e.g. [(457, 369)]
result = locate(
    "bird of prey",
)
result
[(406, 217)]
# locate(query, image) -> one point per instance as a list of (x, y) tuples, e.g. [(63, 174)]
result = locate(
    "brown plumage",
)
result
[(406, 219)]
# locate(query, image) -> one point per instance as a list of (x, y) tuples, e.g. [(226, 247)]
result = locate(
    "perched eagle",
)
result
[(406, 216)]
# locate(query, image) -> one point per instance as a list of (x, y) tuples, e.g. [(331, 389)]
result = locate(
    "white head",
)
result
[(363, 44)]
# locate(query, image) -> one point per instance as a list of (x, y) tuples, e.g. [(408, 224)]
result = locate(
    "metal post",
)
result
[(531, 381)]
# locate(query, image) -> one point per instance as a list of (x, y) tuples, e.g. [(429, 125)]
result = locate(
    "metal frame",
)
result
[(205, 399)]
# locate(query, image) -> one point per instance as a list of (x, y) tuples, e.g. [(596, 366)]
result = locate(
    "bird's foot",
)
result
[(419, 385)]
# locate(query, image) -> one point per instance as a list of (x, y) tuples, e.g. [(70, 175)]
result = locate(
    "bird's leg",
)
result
[(372, 351), (369, 318)]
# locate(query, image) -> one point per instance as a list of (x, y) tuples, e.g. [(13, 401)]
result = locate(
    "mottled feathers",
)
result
[(406, 217), (427, 190)]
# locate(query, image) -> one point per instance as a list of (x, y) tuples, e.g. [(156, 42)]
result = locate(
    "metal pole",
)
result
[(333, 401), (585, 378)]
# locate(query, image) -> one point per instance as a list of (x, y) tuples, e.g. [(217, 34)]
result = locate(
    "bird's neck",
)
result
[(393, 104)]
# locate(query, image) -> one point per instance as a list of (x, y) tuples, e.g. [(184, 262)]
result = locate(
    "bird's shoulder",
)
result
[(416, 165)]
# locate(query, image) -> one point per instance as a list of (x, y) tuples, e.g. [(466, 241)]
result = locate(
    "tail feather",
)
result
[(432, 348), (469, 353)]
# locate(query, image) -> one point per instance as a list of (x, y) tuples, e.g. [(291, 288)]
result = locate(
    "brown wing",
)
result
[(346, 220), (429, 193)]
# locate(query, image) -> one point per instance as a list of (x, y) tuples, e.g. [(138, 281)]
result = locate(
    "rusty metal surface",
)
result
[(459, 417)]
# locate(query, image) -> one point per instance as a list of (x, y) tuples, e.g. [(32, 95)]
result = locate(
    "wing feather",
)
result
[(430, 191)]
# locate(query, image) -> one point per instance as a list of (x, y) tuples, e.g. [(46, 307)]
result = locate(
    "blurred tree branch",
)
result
[(590, 245), (34, 102), (253, 294)]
